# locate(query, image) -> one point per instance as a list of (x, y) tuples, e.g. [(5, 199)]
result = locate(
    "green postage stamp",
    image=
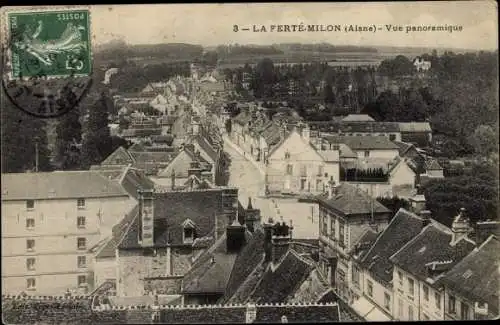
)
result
[(49, 43)]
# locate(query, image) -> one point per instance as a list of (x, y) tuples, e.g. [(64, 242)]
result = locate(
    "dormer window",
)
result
[(189, 231)]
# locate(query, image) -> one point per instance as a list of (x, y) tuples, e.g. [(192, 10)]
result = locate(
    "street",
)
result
[(250, 182)]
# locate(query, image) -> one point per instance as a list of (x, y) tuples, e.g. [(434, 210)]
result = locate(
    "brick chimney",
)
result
[(252, 217), (146, 218), (235, 237), (460, 226), (194, 169), (281, 238), (417, 203), (426, 217)]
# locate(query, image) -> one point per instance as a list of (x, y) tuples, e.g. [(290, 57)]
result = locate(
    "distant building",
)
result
[(421, 65)]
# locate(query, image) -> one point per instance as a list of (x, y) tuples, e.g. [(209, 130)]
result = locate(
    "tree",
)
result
[(265, 76), (24, 140), (484, 140), (69, 133), (97, 142)]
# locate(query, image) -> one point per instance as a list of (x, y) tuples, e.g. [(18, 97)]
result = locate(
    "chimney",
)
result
[(252, 217), (306, 133), (172, 179), (251, 314), (268, 235), (460, 226), (332, 188), (146, 217), (235, 237), (426, 217), (281, 238), (417, 203), (194, 169), (485, 229)]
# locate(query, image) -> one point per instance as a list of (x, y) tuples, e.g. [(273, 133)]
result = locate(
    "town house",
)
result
[(346, 213), (50, 220)]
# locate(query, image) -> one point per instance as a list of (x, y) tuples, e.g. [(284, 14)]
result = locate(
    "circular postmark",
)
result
[(47, 60)]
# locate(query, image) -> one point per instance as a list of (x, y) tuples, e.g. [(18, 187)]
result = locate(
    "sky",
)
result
[(212, 24)]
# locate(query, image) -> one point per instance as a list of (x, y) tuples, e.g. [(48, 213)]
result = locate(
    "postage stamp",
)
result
[(47, 58), (49, 43)]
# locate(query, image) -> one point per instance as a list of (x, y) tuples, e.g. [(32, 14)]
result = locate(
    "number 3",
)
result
[(235, 28)]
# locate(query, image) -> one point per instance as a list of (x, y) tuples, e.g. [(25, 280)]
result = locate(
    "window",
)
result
[(410, 313), (80, 222), (392, 137), (289, 169), (426, 293), (188, 235), (30, 204), (400, 306), (287, 155), (325, 225), (411, 286), (369, 288), (82, 261), (341, 233), (451, 304), (30, 223), (464, 311), (80, 203), (30, 264), (318, 185), (321, 170), (332, 228), (81, 243), (400, 278), (387, 301), (303, 184), (355, 275), (367, 153), (30, 284), (82, 280), (437, 299), (30, 245)]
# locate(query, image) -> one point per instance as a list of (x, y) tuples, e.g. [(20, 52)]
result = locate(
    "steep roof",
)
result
[(403, 147), (58, 185), (432, 244), (120, 156), (346, 152), (476, 276), (350, 200), (432, 164), (133, 179), (172, 208), (278, 284), (402, 228), (204, 145), (181, 163), (364, 142)]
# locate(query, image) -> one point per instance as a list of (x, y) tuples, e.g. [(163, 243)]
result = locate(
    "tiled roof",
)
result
[(346, 152), (350, 200), (277, 286), (358, 118), (271, 134), (120, 156), (476, 276), (181, 163), (403, 147), (181, 125), (118, 232), (133, 180), (137, 147), (211, 272), (355, 127), (363, 142), (151, 161), (247, 260), (204, 145), (141, 132), (311, 290), (402, 228), (415, 127), (363, 243), (431, 245), (171, 209), (58, 185)]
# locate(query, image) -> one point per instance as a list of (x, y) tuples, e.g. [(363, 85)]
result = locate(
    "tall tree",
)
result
[(24, 141), (69, 133), (97, 142)]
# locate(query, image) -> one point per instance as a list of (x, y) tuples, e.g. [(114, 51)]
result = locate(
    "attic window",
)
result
[(467, 274), (188, 231)]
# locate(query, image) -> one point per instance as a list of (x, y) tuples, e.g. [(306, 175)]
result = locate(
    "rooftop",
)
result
[(358, 118), (476, 276), (363, 142), (349, 200), (59, 185)]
